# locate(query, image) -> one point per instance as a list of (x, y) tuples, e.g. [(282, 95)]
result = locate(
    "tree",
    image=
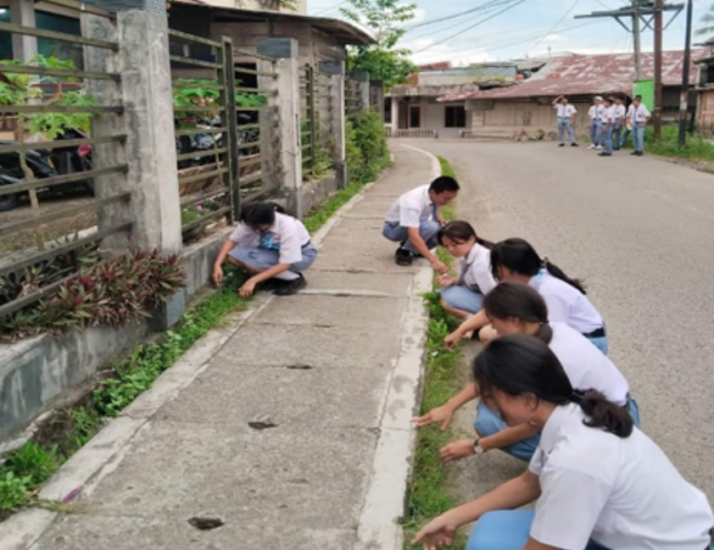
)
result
[(708, 20), (383, 60)]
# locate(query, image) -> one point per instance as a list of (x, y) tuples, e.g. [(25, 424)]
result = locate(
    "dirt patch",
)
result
[(54, 230), (706, 166)]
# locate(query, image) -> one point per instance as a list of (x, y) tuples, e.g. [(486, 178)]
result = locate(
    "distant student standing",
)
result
[(565, 113), (640, 117), (415, 220), (463, 296), (595, 115), (272, 245), (620, 113), (608, 121)]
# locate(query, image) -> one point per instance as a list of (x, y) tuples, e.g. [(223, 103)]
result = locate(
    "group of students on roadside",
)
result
[(610, 123), (548, 394)]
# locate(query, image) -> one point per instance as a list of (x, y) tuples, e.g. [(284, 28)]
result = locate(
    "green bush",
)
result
[(367, 136), (697, 148), (13, 490), (34, 463)]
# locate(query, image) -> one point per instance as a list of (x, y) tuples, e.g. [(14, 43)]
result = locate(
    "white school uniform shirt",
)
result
[(640, 114), (476, 270), (608, 114), (288, 235), (620, 112), (586, 366), (412, 208), (594, 112), (564, 111), (623, 493), (600, 111), (566, 304)]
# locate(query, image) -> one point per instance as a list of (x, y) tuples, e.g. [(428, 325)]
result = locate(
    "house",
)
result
[(296, 6), (413, 109), (526, 105), (705, 92)]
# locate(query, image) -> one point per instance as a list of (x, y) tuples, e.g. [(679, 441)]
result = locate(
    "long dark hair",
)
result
[(260, 213), (511, 299), (460, 232), (522, 364), (519, 256)]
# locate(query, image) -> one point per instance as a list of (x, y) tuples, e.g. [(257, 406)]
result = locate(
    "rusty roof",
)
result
[(589, 75)]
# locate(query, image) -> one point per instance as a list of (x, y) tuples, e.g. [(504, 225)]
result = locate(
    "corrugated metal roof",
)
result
[(344, 32), (589, 75)]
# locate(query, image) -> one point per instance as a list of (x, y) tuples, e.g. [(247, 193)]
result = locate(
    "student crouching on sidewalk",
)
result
[(463, 296), (272, 245), (515, 308), (414, 221)]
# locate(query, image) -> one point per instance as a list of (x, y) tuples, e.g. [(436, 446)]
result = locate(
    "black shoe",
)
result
[(615, 148), (561, 145), (640, 153), (271, 284), (605, 154), (634, 154), (574, 145), (403, 257), (292, 287)]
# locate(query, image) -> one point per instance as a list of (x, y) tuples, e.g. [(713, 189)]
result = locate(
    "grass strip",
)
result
[(428, 488), (23, 472)]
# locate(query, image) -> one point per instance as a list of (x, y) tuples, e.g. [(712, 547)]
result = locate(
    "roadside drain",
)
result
[(262, 423), (206, 523)]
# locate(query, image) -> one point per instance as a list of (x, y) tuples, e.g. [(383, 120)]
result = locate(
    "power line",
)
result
[(507, 8), (554, 26), (478, 8)]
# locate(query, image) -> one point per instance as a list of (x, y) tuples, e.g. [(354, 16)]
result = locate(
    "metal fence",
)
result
[(353, 97), (317, 111), (42, 246)]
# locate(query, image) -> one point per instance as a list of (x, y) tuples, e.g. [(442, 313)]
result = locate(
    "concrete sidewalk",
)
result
[(293, 430)]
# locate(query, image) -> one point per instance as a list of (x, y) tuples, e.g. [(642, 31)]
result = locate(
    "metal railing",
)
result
[(41, 245), (353, 97), (317, 110)]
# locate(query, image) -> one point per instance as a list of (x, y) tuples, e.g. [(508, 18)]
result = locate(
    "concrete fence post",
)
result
[(336, 72), (146, 94), (148, 121), (287, 150), (362, 79)]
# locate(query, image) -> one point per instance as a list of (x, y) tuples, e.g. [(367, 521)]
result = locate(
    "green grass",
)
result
[(428, 488), (315, 221), (696, 147)]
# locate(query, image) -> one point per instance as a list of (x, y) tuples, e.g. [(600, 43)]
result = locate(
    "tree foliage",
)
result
[(383, 60), (708, 21)]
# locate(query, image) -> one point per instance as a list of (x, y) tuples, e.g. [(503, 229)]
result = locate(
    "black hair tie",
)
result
[(576, 397)]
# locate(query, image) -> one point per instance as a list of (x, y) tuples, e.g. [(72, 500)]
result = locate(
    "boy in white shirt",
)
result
[(620, 112), (639, 118), (608, 121), (595, 114), (566, 120), (414, 221)]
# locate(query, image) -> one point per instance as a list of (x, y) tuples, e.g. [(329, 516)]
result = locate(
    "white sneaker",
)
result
[(599, 147), (592, 147)]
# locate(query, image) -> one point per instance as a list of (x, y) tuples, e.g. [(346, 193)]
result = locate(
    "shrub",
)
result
[(34, 463), (13, 490), (369, 137)]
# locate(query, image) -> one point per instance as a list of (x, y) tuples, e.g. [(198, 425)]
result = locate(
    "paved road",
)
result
[(641, 231)]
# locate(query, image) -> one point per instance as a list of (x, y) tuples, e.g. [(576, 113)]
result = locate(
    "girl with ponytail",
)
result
[(462, 296), (599, 482), (516, 308), (271, 245), (517, 260)]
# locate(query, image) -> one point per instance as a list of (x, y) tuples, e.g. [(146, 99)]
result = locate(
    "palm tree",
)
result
[(708, 20)]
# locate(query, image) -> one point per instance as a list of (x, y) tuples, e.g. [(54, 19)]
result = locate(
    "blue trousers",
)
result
[(263, 259), (600, 343), (507, 530), (625, 137), (638, 138), (607, 138), (427, 231), (596, 132), (463, 298), (617, 134), (564, 125)]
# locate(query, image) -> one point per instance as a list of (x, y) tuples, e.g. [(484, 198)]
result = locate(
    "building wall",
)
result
[(518, 114), (433, 116), (300, 5)]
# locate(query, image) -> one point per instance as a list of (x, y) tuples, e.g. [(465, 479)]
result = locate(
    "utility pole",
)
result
[(657, 111), (636, 40), (685, 78)]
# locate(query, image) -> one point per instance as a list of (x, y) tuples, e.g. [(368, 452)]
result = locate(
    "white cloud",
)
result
[(443, 52), (555, 38)]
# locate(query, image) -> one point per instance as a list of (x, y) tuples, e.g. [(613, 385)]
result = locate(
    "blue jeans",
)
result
[(638, 138), (488, 423), (507, 530), (625, 137), (428, 230), (463, 298), (263, 259), (634, 409), (600, 343), (596, 132), (564, 125), (617, 134), (607, 138)]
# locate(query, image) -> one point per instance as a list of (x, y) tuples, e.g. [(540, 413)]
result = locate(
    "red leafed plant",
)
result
[(110, 293)]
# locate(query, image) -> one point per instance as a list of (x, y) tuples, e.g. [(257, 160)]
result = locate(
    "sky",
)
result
[(531, 28)]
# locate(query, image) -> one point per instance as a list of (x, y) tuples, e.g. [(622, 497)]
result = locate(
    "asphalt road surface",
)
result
[(641, 232)]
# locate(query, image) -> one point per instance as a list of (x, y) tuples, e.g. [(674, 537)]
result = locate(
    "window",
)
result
[(414, 116), (57, 48), (5, 37), (388, 110), (455, 117)]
